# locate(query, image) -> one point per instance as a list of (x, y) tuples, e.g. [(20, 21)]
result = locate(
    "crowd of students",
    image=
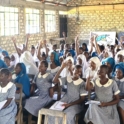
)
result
[(77, 69)]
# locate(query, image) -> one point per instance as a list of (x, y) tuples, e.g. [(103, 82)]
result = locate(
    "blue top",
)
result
[(72, 52), (56, 58), (61, 52), (23, 79), (2, 64)]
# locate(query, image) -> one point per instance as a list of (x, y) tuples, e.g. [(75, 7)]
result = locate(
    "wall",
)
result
[(6, 43), (95, 18)]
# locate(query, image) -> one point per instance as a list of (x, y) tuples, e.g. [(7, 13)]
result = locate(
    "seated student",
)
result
[(43, 82), (2, 64), (110, 62), (53, 67), (7, 92), (119, 78), (74, 96), (14, 59), (7, 60), (119, 57), (94, 64), (22, 78), (107, 93), (5, 53)]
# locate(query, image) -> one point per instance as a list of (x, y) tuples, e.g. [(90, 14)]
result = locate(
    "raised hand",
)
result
[(13, 39), (64, 64), (27, 36)]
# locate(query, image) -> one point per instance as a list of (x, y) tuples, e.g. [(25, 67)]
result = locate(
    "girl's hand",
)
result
[(28, 36), (66, 105), (64, 64), (44, 42), (13, 39), (103, 104)]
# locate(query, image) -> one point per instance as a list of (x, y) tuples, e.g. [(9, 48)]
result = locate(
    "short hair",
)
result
[(5, 71), (105, 67), (32, 47), (78, 66), (81, 48), (45, 63), (7, 57)]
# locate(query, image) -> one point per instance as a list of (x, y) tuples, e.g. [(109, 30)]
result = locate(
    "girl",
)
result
[(94, 64), (5, 53), (75, 93), (27, 59), (43, 82), (22, 78), (110, 62), (119, 78), (84, 46), (7, 92), (53, 67), (107, 93), (119, 57), (14, 59)]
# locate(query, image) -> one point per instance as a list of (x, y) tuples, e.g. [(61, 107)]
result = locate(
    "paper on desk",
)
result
[(93, 102), (2, 104), (57, 106)]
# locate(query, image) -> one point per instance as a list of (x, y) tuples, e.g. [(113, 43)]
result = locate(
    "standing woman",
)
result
[(43, 82), (119, 78), (7, 92), (54, 67), (107, 93)]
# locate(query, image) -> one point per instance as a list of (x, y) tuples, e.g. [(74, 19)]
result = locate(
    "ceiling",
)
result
[(79, 2)]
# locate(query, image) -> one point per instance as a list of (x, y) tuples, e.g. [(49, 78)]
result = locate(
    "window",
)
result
[(8, 21), (32, 20), (50, 21)]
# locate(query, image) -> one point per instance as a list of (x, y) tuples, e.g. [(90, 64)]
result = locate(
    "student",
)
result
[(14, 59), (43, 82), (84, 46), (110, 62), (7, 92), (74, 96), (119, 57), (107, 93), (7, 60), (54, 67), (119, 78), (94, 64), (27, 59), (5, 53), (2, 64), (22, 78)]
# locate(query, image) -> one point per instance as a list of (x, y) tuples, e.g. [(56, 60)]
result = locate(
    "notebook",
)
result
[(57, 106), (2, 104), (93, 102)]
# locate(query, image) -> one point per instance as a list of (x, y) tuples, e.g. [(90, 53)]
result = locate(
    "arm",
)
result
[(46, 48), (113, 102), (38, 53), (7, 103), (89, 85), (14, 42), (91, 41), (26, 42), (96, 46), (76, 46), (80, 100)]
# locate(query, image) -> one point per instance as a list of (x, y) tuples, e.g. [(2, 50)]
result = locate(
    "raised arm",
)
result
[(89, 85), (46, 48), (38, 52), (96, 46), (76, 46), (14, 42), (56, 78), (26, 42)]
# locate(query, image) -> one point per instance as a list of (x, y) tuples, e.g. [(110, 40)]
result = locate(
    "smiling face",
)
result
[(102, 72), (77, 72), (17, 69), (79, 61), (120, 58), (3, 77), (92, 65), (42, 67), (52, 57)]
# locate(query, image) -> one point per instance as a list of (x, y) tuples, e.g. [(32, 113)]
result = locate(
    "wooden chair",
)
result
[(19, 116), (49, 112), (57, 89)]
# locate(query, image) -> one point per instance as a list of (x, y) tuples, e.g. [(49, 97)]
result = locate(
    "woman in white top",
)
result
[(91, 71), (27, 59)]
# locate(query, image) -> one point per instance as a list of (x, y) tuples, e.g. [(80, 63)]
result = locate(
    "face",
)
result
[(109, 66), (77, 72), (61, 47), (120, 58), (3, 78), (54, 47), (101, 73), (17, 69), (52, 57), (32, 51), (79, 60), (12, 58), (7, 61), (92, 65), (73, 46), (119, 74), (105, 54), (69, 63), (42, 67), (80, 51), (84, 47), (86, 55)]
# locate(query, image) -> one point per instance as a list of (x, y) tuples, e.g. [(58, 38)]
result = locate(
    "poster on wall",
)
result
[(104, 38)]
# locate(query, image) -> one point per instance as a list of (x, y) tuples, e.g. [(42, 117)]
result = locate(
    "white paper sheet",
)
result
[(2, 104), (57, 106), (93, 102)]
